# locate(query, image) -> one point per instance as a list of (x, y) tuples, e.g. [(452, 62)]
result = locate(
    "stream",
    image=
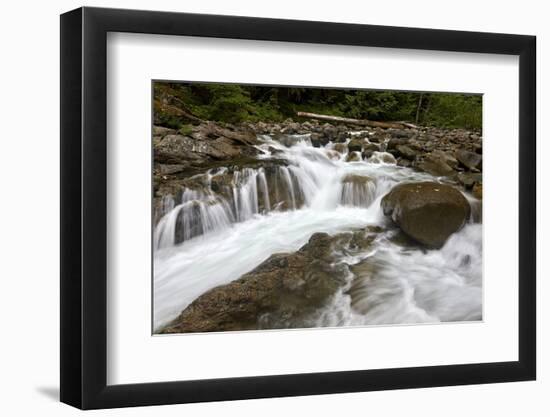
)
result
[(215, 233)]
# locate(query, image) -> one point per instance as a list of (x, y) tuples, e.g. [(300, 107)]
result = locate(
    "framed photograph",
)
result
[(258, 208)]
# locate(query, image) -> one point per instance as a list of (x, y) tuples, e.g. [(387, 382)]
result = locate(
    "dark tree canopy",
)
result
[(235, 103)]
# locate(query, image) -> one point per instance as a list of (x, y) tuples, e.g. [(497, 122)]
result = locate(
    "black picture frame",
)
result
[(84, 207)]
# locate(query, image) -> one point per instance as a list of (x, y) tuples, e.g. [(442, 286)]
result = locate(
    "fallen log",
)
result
[(359, 122)]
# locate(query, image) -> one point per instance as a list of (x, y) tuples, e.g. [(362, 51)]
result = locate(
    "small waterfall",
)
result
[(305, 176), (262, 181), (358, 191), (198, 214), (245, 193)]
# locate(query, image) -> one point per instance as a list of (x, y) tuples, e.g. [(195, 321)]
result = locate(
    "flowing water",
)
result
[(235, 219)]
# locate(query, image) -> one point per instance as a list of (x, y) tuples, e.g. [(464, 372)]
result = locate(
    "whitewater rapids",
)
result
[(232, 235)]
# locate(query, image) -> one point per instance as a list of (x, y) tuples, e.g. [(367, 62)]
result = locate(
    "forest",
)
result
[(235, 103)]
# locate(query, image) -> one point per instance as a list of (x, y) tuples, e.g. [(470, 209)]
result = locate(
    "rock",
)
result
[(470, 160), (435, 165), (291, 128), (340, 147), (355, 145), (428, 212), (357, 180), (376, 137), (318, 140), (393, 143), (353, 157), (162, 131), (342, 136), (402, 162), (406, 152), (382, 157), (369, 149), (468, 179), (281, 292), (401, 133), (445, 157), (206, 143), (477, 191), (330, 132), (162, 169)]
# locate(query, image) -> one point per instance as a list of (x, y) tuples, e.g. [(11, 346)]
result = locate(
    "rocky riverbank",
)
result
[(210, 176)]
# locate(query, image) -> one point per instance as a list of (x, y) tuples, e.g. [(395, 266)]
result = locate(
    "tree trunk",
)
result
[(418, 108), (359, 122)]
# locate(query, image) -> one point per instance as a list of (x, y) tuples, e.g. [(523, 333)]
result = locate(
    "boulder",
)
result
[(393, 143), (468, 179), (318, 140), (369, 149), (477, 191), (205, 143), (406, 152), (340, 147), (470, 160), (355, 145), (353, 157), (162, 131), (279, 293), (382, 157), (436, 165), (428, 212), (330, 132), (445, 157), (402, 162)]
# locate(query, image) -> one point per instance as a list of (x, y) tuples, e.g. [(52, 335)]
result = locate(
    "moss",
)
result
[(186, 130)]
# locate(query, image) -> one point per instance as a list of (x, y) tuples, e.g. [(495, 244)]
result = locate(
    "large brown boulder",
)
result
[(281, 292), (428, 212), (470, 160), (437, 164)]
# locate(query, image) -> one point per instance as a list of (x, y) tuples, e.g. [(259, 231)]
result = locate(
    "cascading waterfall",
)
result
[(229, 221), (311, 178)]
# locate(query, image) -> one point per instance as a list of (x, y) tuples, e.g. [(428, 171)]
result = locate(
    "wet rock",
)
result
[(382, 157), (355, 145), (401, 133), (342, 136), (435, 165), (353, 157), (340, 147), (330, 132), (406, 152), (393, 143), (470, 160), (445, 157), (376, 137), (369, 149), (318, 140), (402, 162), (428, 212), (477, 191), (468, 179), (279, 293)]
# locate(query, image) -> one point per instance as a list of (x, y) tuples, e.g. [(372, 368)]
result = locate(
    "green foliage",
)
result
[(232, 103), (454, 110), (186, 130)]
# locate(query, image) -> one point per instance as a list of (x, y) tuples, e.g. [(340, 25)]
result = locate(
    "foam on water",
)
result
[(223, 238)]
